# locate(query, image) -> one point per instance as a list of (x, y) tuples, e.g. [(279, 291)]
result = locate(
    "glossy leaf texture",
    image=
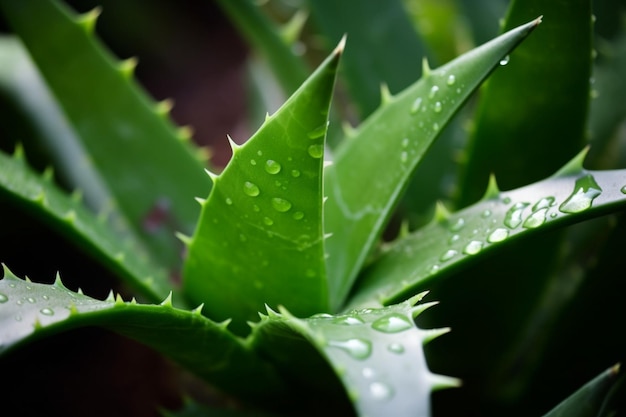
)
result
[(260, 237), (451, 241), (95, 236), (376, 353), (533, 111), (29, 311), (369, 174), (138, 152), (590, 400), (369, 62)]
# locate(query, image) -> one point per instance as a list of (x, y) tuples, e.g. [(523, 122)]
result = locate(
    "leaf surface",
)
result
[(137, 151), (376, 353), (260, 236), (94, 236), (29, 311), (369, 173), (500, 218)]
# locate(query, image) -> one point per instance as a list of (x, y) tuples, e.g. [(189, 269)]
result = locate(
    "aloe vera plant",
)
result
[(283, 278)]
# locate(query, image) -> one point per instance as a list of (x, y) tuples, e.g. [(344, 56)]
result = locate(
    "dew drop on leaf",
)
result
[(449, 254), (348, 320), (513, 217), (453, 239), (268, 221), (252, 162), (451, 79), (357, 348), (368, 373), (392, 323), (415, 107), (3, 298), (434, 269), (536, 219), (504, 61), (251, 189), (585, 191), (405, 142), (47, 311), (404, 156), (272, 167), (623, 189), (486, 213), (316, 151), (458, 225), (31, 300), (395, 348), (545, 202), (498, 235), (436, 126), (473, 247), (433, 91), (18, 318), (229, 201), (295, 173), (438, 107), (298, 215), (380, 391), (280, 204), (318, 131)]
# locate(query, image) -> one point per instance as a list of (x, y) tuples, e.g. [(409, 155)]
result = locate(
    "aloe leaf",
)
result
[(137, 151), (541, 96), (30, 311), (376, 353), (451, 241), (259, 31), (68, 215), (589, 399), (368, 175), (260, 236), (369, 62)]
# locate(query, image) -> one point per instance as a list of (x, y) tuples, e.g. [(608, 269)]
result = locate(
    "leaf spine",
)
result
[(164, 107), (417, 298), (198, 310), (88, 20), (183, 238), (432, 334), (426, 71), (118, 300), (420, 308), (18, 152), (211, 175), (168, 301), (127, 67), (48, 174), (185, 133), (441, 213), (492, 191), (439, 382), (233, 146), (574, 166), (385, 94)]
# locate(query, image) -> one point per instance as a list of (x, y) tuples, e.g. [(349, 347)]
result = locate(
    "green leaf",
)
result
[(452, 241), (376, 353), (29, 311), (371, 27), (260, 236), (589, 399), (137, 151), (540, 97), (94, 236), (369, 174)]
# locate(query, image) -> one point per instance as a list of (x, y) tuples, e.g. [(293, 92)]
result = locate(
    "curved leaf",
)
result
[(376, 353), (95, 236), (260, 237), (373, 167), (29, 311), (131, 142), (452, 240)]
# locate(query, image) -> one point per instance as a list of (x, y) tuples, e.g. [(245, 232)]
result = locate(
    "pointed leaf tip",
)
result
[(233, 146), (493, 191), (127, 67), (441, 212), (439, 382), (420, 308), (417, 298), (575, 165), (341, 45), (426, 71), (432, 334), (385, 94), (88, 20), (168, 300)]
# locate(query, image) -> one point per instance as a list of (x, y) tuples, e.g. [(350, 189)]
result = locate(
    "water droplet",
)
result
[(348, 320), (298, 215), (318, 131), (451, 79), (316, 151), (45, 297), (623, 189), (435, 126), (256, 208), (405, 142), (259, 152), (392, 323), (433, 91), (19, 302), (295, 173), (368, 373), (513, 216), (506, 200), (458, 225), (31, 300), (585, 191), (404, 156), (395, 348), (449, 254), (498, 235), (322, 316), (473, 247), (268, 221), (280, 204), (252, 162), (536, 219), (3, 298), (380, 391), (357, 348), (486, 213), (434, 269), (272, 167), (545, 202), (243, 238), (553, 215), (453, 239), (251, 189), (416, 105), (505, 60), (47, 311), (18, 318), (438, 107), (229, 201)]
